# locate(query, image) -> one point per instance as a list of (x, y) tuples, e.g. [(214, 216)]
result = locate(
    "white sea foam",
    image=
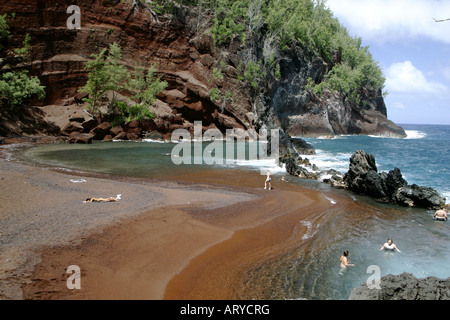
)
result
[(446, 194), (325, 160), (332, 201), (310, 232), (263, 165), (415, 134), (156, 141)]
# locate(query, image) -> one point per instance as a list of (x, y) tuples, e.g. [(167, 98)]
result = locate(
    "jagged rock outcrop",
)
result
[(404, 286), (302, 113), (414, 195), (363, 178)]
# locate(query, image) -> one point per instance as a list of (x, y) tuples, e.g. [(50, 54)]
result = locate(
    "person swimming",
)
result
[(344, 262), (440, 215), (389, 245)]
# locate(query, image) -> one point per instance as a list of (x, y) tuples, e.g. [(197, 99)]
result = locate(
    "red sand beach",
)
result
[(168, 239)]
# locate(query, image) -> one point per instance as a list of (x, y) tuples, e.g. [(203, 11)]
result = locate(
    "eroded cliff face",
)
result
[(303, 113), (185, 59), (58, 55)]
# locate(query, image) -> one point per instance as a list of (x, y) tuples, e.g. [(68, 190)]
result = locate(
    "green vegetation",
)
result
[(116, 72), (253, 73), (312, 24), (283, 23), (97, 83), (229, 20), (107, 74), (214, 94), (21, 52), (217, 74), (145, 87), (16, 86)]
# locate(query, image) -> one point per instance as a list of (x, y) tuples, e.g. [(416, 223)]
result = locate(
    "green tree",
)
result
[(21, 52), (16, 86), (97, 83), (116, 72), (253, 73), (229, 21), (145, 86)]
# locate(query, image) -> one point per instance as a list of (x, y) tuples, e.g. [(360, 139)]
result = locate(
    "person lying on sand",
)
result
[(110, 199), (440, 215)]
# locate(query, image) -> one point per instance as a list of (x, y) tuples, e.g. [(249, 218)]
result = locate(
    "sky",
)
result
[(412, 49)]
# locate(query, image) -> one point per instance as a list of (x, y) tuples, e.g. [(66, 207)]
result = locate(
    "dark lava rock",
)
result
[(404, 287), (363, 178)]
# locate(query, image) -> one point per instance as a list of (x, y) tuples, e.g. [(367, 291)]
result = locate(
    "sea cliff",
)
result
[(181, 47)]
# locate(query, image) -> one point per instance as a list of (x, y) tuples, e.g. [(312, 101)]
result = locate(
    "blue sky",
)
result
[(412, 49)]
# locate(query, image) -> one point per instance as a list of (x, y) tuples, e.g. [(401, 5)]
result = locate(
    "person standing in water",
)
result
[(268, 181), (440, 215), (344, 262), (389, 245)]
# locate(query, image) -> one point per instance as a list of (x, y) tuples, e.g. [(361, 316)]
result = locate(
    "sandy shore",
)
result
[(163, 239)]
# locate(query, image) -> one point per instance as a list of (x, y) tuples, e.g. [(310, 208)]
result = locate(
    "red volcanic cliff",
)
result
[(185, 61), (184, 55)]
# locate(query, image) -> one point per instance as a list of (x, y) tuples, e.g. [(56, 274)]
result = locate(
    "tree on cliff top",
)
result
[(308, 22)]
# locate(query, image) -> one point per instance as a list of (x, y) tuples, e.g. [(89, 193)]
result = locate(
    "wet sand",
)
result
[(190, 237)]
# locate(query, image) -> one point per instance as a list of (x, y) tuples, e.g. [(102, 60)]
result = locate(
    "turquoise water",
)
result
[(358, 224), (151, 159)]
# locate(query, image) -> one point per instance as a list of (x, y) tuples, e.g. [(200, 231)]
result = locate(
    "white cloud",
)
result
[(404, 77), (390, 20), (398, 105), (446, 73)]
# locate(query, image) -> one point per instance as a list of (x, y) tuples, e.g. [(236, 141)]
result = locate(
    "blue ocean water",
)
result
[(357, 224), (422, 157)]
